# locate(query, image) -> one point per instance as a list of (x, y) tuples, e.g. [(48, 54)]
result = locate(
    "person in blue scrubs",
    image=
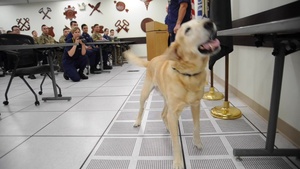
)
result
[(179, 12), (74, 58)]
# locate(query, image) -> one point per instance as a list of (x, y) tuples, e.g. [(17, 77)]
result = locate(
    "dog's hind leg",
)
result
[(196, 115), (147, 88)]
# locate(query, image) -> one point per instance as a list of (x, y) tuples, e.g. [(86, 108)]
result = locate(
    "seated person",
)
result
[(109, 49), (3, 65), (45, 38), (63, 37), (15, 30), (75, 57), (72, 25), (96, 33), (105, 34), (92, 51), (59, 53), (35, 36), (6, 63), (112, 34), (98, 37)]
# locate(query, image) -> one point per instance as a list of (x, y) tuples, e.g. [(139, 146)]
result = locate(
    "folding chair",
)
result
[(23, 62)]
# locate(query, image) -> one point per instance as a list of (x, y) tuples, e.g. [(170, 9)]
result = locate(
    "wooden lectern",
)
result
[(156, 38)]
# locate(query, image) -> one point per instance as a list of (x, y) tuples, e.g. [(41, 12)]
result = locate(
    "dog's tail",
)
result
[(134, 59)]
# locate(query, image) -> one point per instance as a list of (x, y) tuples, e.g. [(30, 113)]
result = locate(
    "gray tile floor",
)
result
[(94, 129)]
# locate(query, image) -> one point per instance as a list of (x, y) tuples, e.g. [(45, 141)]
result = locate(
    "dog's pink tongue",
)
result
[(212, 44)]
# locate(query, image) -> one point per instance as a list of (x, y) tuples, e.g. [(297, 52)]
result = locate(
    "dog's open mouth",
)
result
[(209, 47)]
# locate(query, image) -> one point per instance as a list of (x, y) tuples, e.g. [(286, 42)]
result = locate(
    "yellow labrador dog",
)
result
[(180, 75)]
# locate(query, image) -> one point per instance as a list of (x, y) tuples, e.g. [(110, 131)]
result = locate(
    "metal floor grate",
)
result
[(205, 127), (132, 105), (187, 114), (134, 97), (154, 164), (211, 146), (154, 115), (116, 147), (156, 147), (157, 105), (246, 141), (211, 104), (108, 164), (123, 128), (127, 115), (156, 128), (213, 164), (238, 125), (265, 163)]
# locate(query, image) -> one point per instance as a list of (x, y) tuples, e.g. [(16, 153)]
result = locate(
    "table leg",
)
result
[(101, 60), (273, 117), (50, 61), (115, 55)]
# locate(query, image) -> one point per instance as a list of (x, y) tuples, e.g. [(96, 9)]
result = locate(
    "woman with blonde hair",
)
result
[(75, 57)]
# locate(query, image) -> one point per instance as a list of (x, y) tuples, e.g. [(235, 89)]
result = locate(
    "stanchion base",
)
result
[(213, 95), (226, 112)]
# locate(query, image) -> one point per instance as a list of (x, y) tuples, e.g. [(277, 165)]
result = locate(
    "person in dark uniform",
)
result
[(72, 25), (98, 37), (179, 12), (75, 57), (106, 34), (92, 51)]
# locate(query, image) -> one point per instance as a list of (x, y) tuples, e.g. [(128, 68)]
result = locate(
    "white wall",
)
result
[(137, 12), (242, 8), (251, 68)]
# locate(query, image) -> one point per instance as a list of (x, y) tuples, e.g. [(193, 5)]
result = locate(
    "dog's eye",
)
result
[(187, 30)]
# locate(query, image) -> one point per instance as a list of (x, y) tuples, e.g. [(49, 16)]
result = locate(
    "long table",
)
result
[(114, 44), (285, 35), (15, 48)]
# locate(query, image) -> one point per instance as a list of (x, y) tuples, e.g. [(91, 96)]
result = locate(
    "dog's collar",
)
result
[(186, 74)]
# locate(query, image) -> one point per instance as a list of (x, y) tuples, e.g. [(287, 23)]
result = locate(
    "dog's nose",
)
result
[(209, 25)]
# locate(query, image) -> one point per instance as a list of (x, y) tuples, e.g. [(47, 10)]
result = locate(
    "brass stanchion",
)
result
[(226, 112), (212, 94)]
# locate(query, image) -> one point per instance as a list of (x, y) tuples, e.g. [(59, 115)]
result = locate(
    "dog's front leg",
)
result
[(164, 115), (173, 117), (196, 119)]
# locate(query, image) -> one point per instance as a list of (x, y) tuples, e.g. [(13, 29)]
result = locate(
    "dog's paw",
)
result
[(136, 124), (177, 165), (197, 143), (167, 128)]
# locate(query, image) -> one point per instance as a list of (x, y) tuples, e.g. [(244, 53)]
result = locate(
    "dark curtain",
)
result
[(220, 13)]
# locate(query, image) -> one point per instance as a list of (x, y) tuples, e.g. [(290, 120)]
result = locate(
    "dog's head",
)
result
[(195, 41), (199, 36)]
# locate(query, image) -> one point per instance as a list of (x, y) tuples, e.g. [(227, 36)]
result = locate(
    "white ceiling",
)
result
[(16, 2)]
